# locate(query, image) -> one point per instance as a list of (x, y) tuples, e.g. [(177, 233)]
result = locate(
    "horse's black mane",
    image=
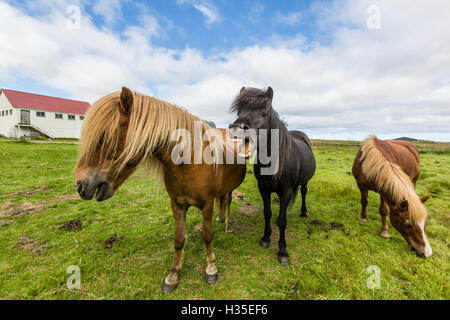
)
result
[(252, 99)]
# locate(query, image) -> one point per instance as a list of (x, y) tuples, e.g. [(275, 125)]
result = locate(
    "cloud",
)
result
[(206, 8), (109, 10), (391, 82), (289, 19)]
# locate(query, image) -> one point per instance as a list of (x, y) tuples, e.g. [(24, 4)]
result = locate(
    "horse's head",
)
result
[(100, 169), (412, 230), (252, 107)]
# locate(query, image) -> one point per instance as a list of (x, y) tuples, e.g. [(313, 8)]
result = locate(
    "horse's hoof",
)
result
[(219, 219), (303, 215), (283, 260), (211, 278), (385, 234), (362, 219), (228, 229), (264, 244), (167, 288)]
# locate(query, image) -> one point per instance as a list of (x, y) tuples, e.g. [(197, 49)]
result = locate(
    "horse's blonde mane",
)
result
[(151, 124), (390, 179)]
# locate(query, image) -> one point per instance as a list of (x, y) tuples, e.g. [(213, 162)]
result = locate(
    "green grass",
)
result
[(37, 181)]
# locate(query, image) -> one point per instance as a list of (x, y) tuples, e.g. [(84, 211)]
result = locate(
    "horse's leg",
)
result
[(227, 205), (384, 211), (220, 207), (179, 213), (283, 256), (265, 240), (304, 190), (364, 195), (207, 235)]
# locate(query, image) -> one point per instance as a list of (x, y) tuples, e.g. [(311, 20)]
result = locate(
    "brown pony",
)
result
[(123, 130), (223, 203), (391, 168)]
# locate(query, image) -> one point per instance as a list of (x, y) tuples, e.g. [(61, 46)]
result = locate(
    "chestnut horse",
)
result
[(391, 168), (124, 129)]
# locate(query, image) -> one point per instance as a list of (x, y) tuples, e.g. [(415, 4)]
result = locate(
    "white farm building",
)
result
[(25, 114)]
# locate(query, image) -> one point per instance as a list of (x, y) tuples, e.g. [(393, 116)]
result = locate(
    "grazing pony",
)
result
[(391, 168), (124, 129), (295, 159)]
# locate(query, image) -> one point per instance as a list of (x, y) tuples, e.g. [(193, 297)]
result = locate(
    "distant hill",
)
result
[(407, 139)]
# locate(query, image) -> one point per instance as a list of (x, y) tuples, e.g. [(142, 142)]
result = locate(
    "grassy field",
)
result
[(328, 260)]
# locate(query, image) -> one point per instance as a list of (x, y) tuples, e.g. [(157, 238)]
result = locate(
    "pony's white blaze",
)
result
[(427, 251)]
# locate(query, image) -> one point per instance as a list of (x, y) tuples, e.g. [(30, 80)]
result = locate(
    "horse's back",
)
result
[(403, 154), (301, 136)]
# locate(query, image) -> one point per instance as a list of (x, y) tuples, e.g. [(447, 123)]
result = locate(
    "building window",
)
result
[(3, 113), (40, 114), (58, 116), (71, 117), (81, 117), (10, 112)]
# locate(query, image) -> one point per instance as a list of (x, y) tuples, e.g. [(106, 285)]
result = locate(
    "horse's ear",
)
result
[(424, 199), (404, 206), (126, 100), (242, 90), (269, 93)]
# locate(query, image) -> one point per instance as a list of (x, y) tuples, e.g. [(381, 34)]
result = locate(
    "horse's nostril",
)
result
[(79, 187), (245, 127)]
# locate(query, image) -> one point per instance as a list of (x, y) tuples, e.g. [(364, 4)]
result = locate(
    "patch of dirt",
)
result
[(29, 244), (317, 223), (66, 197), (198, 228), (72, 225), (248, 209), (19, 210), (29, 192), (238, 196), (111, 240), (4, 223), (249, 171), (276, 200), (26, 208), (337, 226), (327, 227)]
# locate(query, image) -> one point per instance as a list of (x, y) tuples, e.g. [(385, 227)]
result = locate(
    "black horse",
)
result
[(294, 160)]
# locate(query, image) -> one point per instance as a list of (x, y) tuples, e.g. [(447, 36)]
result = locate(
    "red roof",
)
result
[(27, 100)]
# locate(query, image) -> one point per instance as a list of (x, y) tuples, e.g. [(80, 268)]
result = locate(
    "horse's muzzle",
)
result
[(418, 252), (237, 126), (102, 190)]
